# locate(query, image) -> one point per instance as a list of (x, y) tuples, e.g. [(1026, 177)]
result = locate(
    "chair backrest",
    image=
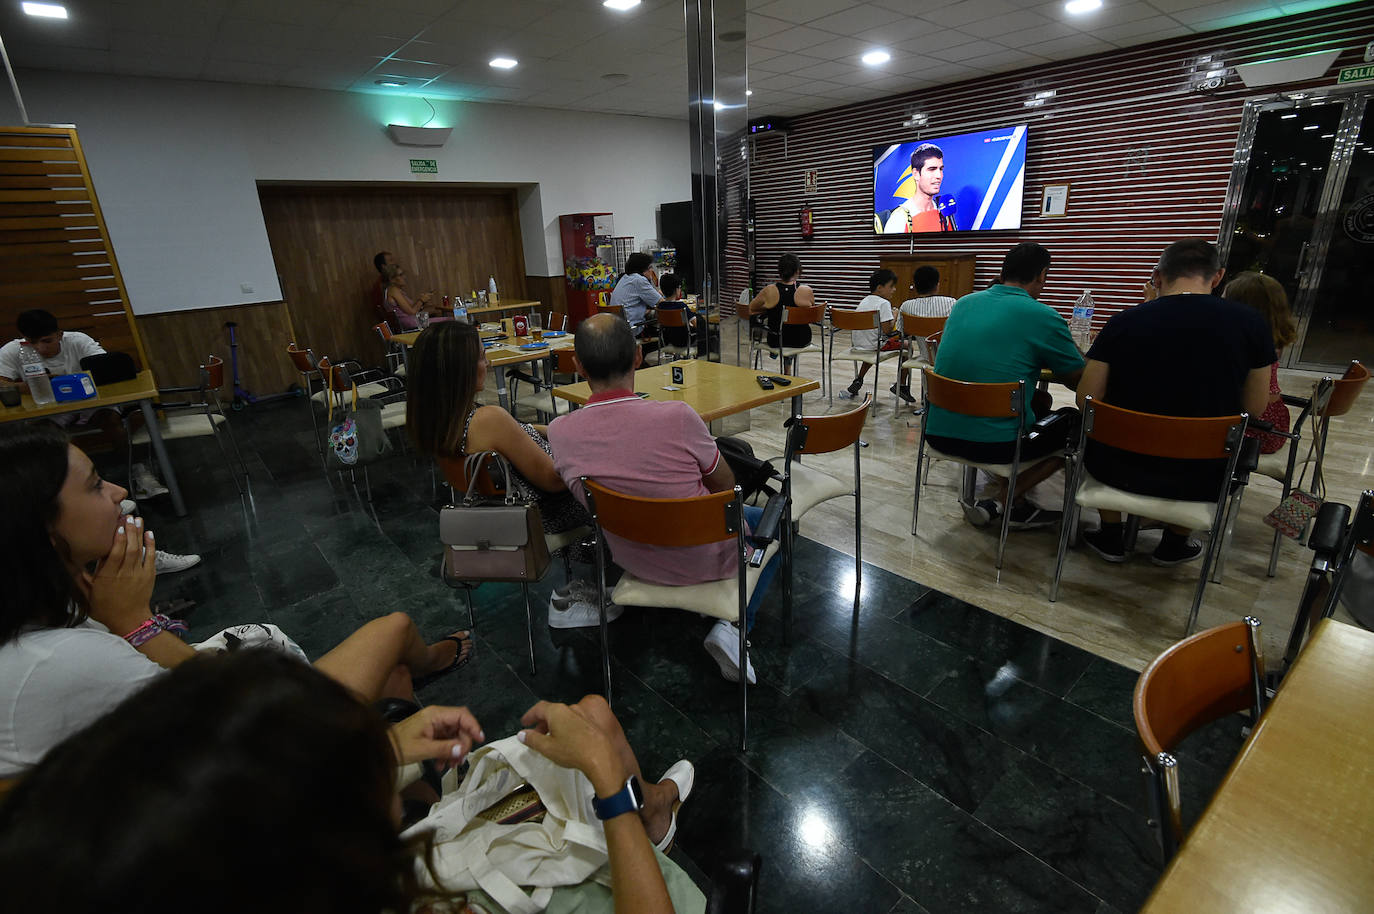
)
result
[(672, 317), (212, 373), (303, 359), (804, 314), (563, 361), (989, 401), (455, 474), (617, 310), (1347, 389), (823, 434), (1176, 437), (557, 320), (933, 343), (694, 521), (335, 376), (846, 319), (915, 325), (384, 331)]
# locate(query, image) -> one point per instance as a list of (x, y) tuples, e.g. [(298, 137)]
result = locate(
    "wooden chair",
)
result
[(1200, 679), (916, 334), (797, 316), (846, 319), (564, 372), (395, 352), (674, 523), (675, 318), (307, 365), (556, 320), (339, 383), (455, 474), (988, 401), (1177, 438), (805, 487), (193, 418)]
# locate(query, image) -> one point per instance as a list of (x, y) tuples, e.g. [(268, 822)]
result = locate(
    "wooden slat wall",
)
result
[(1148, 160), (324, 237), (178, 342), (55, 251)]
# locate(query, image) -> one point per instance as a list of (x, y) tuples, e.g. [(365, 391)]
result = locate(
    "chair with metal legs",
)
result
[(790, 356), (1177, 438), (845, 319), (194, 418), (675, 523), (1199, 680), (916, 333), (673, 319)]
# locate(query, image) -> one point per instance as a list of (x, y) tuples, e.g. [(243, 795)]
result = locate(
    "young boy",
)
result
[(881, 285), (925, 282)]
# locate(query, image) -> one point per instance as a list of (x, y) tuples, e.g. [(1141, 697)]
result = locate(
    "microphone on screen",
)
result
[(946, 204)]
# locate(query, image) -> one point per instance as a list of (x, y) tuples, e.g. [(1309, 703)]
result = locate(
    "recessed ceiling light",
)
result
[(620, 6), (876, 58), (1079, 7), (748, 91), (46, 10), (1313, 127), (503, 63), (1328, 136), (1287, 117), (391, 83)]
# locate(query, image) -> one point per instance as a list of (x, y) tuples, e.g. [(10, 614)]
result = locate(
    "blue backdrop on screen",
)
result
[(984, 176)]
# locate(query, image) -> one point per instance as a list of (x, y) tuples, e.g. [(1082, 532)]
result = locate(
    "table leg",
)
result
[(169, 475), (502, 396)]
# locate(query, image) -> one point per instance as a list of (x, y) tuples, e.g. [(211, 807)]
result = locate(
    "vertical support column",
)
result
[(718, 119)]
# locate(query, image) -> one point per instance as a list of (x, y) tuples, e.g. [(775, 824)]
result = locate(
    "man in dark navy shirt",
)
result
[(1187, 353)]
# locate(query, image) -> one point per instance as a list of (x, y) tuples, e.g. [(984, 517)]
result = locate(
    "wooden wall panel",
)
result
[(1147, 158), (179, 341), (551, 291), (324, 237), (55, 251)]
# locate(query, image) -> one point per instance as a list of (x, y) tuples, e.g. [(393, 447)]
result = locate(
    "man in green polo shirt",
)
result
[(998, 335)]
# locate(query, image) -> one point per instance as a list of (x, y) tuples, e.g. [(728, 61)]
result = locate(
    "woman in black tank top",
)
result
[(794, 336)]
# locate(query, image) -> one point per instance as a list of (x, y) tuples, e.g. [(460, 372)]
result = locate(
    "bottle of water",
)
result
[(1080, 327), (492, 295), (36, 375), (460, 308)]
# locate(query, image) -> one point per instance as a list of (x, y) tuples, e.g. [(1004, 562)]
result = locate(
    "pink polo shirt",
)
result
[(651, 449)]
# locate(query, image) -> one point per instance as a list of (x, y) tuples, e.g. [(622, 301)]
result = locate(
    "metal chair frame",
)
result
[(879, 356)]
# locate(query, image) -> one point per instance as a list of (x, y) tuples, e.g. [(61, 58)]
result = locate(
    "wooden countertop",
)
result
[(143, 387)]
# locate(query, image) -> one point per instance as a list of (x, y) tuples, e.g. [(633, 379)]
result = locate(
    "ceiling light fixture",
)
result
[(748, 92), (876, 58), (1079, 7), (391, 83), (1287, 117), (1313, 127), (620, 6), (503, 63), (46, 10)]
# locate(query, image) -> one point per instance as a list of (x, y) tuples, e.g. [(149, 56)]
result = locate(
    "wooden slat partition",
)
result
[(55, 251)]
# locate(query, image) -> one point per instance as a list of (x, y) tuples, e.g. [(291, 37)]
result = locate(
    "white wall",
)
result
[(175, 164)]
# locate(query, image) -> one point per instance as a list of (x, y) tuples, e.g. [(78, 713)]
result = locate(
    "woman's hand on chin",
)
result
[(119, 589)]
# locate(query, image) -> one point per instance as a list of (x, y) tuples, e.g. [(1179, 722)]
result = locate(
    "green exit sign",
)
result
[(1356, 74), (424, 166)]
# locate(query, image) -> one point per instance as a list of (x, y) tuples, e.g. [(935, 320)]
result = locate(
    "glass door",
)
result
[(1304, 171)]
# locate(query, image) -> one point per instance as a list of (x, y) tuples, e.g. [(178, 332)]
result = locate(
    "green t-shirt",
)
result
[(995, 336)]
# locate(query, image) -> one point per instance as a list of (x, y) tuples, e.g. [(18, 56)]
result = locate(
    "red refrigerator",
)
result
[(586, 273)]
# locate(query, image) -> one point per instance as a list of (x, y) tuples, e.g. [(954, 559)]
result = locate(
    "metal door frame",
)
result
[(1311, 266)]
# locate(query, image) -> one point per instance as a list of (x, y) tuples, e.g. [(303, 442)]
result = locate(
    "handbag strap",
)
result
[(473, 465)]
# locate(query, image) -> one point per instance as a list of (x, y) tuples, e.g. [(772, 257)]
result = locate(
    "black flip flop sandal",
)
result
[(459, 660)]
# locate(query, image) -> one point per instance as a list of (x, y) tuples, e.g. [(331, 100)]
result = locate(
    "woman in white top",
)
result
[(76, 632)]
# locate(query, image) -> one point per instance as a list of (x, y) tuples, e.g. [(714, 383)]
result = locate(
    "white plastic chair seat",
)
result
[(188, 425), (917, 362), (670, 349), (399, 371), (717, 599), (560, 407), (1275, 465), (555, 541), (370, 389), (393, 415), (993, 469), (810, 487), (1195, 515), (867, 356), (788, 351)]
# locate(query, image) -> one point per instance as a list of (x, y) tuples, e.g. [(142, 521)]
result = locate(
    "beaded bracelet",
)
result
[(153, 627)]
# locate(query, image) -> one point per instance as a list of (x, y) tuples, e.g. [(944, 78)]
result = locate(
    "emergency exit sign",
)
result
[(424, 166), (1356, 74)]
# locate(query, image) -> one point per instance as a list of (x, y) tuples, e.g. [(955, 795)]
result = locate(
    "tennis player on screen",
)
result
[(924, 210)]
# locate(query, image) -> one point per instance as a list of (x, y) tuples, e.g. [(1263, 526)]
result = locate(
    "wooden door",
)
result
[(323, 239), (956, 273)]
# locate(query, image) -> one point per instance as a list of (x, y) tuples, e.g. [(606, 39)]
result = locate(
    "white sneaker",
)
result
[(582, 614), (128, 506), (146, 485), (171, 563), (575, 591), (723, 645)]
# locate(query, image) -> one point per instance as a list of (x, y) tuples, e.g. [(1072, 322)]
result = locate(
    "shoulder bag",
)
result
[(492, 538), (358, 439)]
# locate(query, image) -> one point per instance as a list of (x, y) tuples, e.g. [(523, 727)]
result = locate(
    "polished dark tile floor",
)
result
[(930, 756)]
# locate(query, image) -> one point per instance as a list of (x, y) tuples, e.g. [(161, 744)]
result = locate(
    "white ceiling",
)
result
[(803, 54)]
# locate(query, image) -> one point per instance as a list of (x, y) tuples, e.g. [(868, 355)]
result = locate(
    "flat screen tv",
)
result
[(961, 183)]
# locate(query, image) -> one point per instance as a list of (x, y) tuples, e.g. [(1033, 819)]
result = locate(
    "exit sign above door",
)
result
[(424, 166)]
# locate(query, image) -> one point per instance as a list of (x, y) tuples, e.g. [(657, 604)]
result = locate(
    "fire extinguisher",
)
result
[(808, 222)]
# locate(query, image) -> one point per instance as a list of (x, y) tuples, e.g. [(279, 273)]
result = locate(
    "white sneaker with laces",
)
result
[(575, 591), (722, 643), (582, 614), (146, 485), (171, 563)]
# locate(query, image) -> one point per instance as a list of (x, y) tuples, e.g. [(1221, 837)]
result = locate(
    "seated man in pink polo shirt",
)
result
[(651, 449)]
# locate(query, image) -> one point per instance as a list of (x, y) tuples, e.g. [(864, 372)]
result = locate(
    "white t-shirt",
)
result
[(75, 347), (869, 339), (55, 681), (928, 306)]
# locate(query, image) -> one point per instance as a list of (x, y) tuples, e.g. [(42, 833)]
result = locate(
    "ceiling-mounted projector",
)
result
[(418, 136)]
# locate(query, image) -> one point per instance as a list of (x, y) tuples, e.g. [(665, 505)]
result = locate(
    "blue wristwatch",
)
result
[(630, 798)]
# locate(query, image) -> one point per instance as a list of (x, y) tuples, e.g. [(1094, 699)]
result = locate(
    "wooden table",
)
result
[(714, 389), (500, 356), (506, 307), (141, 390), (1291, 829)]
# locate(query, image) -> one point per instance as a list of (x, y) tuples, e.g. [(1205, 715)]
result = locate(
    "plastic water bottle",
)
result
[(1080, 327), (460, 308), (36, 375), (492, 295)]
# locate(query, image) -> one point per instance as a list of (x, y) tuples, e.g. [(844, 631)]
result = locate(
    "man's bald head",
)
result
[(606, 348)]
